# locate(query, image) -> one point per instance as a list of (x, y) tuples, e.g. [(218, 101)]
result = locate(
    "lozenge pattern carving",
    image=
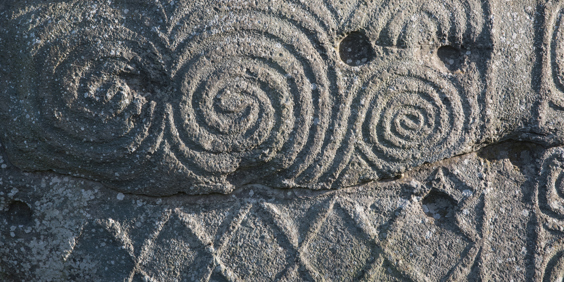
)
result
[(161, 97), (293, 243)]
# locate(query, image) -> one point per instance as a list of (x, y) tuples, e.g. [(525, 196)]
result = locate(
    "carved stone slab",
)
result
[(286, 140), (161, 97)]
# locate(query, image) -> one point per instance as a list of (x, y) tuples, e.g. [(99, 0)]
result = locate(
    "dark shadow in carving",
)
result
[(355, 49), (19, 213), (439, 206), (451, 57)]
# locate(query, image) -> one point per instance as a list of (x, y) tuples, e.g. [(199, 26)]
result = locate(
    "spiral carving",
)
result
[(160, 97), (409, 115), (551, 184), (104, 99), (554, 268), (256, 98), (91, 110), (204, 96)]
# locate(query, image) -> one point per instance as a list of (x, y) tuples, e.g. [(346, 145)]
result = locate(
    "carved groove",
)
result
[(410, 113), (551, 185), (171, 96), (557, 60)]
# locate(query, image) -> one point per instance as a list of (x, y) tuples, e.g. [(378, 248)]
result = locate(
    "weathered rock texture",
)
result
[(322, 140)]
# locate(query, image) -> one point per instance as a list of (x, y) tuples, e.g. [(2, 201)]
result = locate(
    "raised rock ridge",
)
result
[(157, 97), (323, 140)]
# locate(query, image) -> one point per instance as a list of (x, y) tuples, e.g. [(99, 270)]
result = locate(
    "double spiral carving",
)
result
[(203, 103)]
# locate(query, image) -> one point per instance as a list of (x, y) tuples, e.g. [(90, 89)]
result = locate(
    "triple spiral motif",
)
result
[(198, 100)]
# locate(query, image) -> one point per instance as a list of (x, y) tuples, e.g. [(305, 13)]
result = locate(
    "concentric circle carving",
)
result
[(91, 110), (256, 98), (417, 23), (410, 113), (551, 184), (173, 96)]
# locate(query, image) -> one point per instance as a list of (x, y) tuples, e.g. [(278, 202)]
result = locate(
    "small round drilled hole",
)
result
[(438, 205), (355, 49), (19, 213), (451, 57)]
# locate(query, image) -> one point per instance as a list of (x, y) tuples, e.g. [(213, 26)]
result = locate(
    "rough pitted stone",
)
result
[(163, 97), (286, 140)]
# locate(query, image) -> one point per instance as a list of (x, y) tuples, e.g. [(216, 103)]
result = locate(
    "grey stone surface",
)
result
[(160, 98), (322, 140)]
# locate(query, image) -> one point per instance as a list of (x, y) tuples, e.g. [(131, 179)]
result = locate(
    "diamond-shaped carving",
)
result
[(98, 250), (433, 237), (296, 223), (340, 251), (430, 250), (253, 251), (180, 248), (176, 253)]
